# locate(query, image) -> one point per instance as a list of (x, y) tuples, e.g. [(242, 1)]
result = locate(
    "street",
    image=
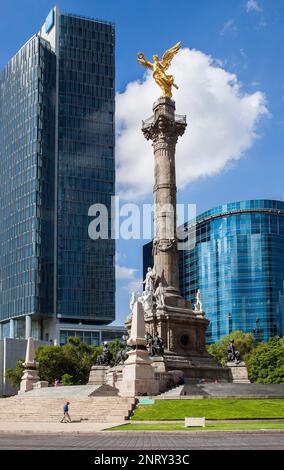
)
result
[(266, 440)]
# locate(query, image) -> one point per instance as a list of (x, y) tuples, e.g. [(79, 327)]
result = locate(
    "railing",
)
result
[(178, 118), (148, 121)]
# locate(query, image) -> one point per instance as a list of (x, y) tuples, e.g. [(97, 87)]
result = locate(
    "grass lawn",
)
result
[(211, 409), (209, 426)]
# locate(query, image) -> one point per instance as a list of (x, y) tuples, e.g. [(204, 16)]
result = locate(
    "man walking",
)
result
[(66, 413)]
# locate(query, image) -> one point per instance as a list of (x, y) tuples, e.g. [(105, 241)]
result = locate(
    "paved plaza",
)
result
[(260, 440)]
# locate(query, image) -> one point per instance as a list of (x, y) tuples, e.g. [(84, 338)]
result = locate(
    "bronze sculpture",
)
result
[(165, 82)]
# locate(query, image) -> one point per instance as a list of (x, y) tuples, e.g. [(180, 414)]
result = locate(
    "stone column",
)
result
[(12, 328), (164, 129), (28, 326)]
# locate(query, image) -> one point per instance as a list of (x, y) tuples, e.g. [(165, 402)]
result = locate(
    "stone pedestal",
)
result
[(182, 330), (238, 372), (183, 333), (98, 375), (40, 384), (138, 375), (30, 377), (114, 376), (159, 364)]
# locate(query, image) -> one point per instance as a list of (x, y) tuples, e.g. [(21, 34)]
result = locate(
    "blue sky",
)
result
[(245, 36)]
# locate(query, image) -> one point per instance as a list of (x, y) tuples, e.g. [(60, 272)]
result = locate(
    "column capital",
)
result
[(164, 129)]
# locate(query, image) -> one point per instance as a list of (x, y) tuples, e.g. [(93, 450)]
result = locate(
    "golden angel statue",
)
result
[(160, 66)]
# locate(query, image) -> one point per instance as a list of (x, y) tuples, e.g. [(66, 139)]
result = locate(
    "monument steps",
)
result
[(224, 390), (173, 392), (92, 409), (63, 391)]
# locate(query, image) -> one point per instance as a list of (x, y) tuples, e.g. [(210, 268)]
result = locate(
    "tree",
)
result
[(15, 375), (74, 359), (66, 379), (70, 363), (266, 362), (115, 347), (244, 343)]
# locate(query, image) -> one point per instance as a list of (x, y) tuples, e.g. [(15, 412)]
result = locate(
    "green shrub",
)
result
[(15, 375), (244, 343), (266, 362), (67, 379)]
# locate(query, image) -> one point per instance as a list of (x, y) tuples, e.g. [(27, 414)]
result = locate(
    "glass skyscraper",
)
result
[(57, 160), (237, 262)]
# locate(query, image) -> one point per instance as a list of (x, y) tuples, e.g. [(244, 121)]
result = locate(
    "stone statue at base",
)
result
[(149, 280), (233, 355), (155, 345), (134, 296), (160, 295), (147, 301), (122, 355), (148, 295), (198, 305), (105, 358)]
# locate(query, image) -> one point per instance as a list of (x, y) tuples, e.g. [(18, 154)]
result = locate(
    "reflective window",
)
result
[(86, 282), (27, 115), (238, 264)]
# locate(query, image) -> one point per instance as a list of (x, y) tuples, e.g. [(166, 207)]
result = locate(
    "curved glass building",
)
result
[(237, 262)]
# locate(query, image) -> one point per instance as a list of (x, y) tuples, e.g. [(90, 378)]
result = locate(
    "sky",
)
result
[(230, 73)]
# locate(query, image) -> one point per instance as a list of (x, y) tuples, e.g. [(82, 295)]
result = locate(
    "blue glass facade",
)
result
[(85, 268), (238, 264), (56, 160), (26, 181)]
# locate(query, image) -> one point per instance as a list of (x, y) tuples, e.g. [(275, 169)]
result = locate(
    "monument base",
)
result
[(98, 375), (183, 332), (30, 377), (40, 384), (138, 375), (238, 372), (159, 364)]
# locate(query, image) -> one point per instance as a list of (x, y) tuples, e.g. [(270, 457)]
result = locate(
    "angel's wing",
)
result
[(169, 54)]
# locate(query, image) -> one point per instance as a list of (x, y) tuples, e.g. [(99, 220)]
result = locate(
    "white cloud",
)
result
[(253, 5), (229, 25), (122, 272), (120, 257), (134, 286), (222, 122)]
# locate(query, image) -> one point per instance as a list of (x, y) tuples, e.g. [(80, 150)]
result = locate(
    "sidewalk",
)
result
[(54, 428)]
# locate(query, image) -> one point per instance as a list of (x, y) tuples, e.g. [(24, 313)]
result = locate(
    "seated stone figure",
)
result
[(105, 358), (233, 355), (156, 345)]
